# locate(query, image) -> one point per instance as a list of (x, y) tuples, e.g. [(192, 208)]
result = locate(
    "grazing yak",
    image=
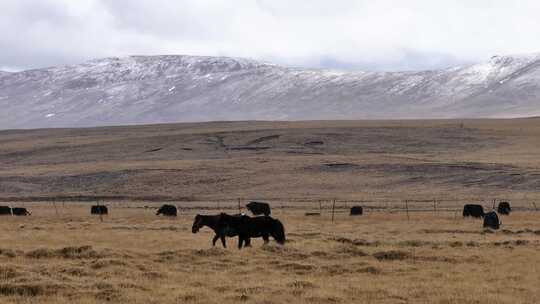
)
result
[(491, 220), (504, 208), (473, 210), (20, 212), (99, 210), (167, 210), (357, 210), (258, 208), (5, 210)]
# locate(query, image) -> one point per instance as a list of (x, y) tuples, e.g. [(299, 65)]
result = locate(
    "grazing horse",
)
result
[(213, 222), (248, 227)]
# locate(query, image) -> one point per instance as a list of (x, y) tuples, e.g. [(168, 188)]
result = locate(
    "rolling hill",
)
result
[(163, 89)]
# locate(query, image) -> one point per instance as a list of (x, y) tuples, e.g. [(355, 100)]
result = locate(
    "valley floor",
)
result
[(313, 160)]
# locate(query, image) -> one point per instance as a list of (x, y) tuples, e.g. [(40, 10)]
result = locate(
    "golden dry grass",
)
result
[(381, 257)]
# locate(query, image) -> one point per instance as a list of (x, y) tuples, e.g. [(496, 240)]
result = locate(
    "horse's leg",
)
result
[(266, 238), (247, 242), (216, 237), (240, 240), (223, 241)]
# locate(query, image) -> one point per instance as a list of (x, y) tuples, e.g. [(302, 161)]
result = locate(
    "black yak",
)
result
[(491, 220), (167, 210), (357, 210), (504, 208), (258, 208), (99, 210), (20, 211), (5, 210), (473, 210)]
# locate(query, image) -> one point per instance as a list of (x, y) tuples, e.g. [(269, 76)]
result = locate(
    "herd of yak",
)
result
[(491, 219), (262, 225)]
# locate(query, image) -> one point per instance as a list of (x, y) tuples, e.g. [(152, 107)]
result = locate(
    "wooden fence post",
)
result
[(55, 209), (407, 209), (239, 208), (100, 213), (333, 207)]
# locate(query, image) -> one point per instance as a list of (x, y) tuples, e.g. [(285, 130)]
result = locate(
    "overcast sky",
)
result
[(346, 34)]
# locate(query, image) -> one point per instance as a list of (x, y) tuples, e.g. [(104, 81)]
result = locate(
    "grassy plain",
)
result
[(280, 160), (61, 254), (381, 257)]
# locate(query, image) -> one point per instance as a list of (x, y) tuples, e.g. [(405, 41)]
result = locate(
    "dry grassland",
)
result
[(64, 255), (281, 160), (381, 257)]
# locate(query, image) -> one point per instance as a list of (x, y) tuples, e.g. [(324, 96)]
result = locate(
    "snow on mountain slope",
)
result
[(158, 89)]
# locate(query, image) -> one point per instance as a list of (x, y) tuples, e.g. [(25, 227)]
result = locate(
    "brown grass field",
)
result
[(430, 254)]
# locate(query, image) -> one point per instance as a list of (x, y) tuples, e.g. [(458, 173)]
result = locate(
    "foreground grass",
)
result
[(136, 257)]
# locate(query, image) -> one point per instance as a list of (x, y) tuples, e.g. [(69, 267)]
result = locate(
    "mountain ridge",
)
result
[(181, 88)]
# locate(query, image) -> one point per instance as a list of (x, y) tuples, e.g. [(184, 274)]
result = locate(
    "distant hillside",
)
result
[(159, 89)]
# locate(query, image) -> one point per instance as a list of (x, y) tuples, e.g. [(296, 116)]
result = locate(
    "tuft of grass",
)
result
[(8, 253), (370, 270), (82, 252), (7, 272), (302, 285), (211, 252), (28, 290), (456, 244), (350, 250), (392, 255)]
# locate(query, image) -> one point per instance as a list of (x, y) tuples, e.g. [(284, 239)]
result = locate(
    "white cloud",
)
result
[(346, 34)]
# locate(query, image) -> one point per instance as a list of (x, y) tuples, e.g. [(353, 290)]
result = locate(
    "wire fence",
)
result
[(310, 207)]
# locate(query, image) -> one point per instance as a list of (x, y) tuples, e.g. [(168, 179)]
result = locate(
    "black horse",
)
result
[(248, 227), (214, 223)]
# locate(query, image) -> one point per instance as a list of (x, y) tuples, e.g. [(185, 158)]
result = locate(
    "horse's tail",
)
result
[(278, 231)]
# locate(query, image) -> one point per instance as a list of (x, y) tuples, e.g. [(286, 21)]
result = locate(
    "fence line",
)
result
[(333, 206)]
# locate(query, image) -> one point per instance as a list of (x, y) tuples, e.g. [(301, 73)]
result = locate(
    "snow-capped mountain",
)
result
[(159, 89)]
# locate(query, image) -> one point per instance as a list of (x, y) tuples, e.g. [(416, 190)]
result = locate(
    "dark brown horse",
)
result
[(214, 223), (247, 227)]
